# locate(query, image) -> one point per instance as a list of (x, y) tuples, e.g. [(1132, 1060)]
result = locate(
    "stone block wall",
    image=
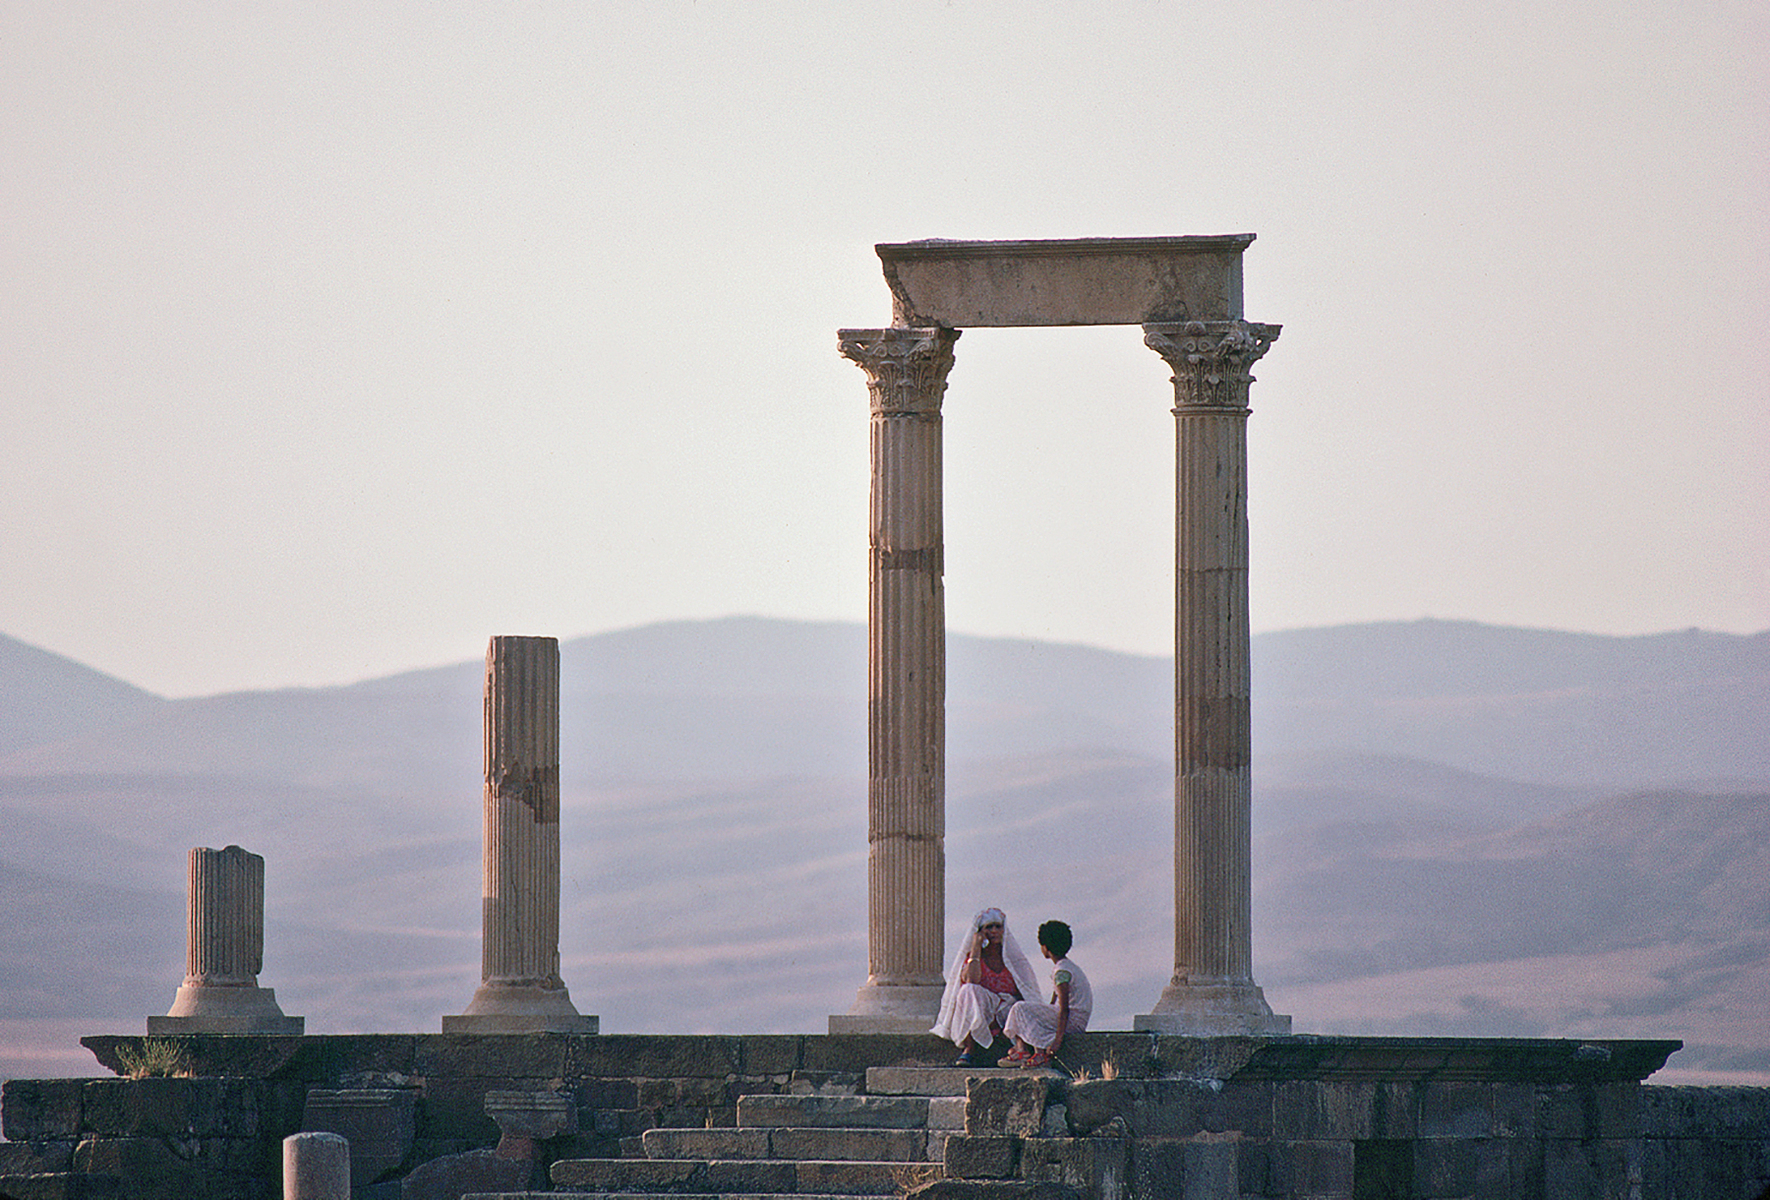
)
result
[(1146, 1117), (1171, 1139), (215, 1132)]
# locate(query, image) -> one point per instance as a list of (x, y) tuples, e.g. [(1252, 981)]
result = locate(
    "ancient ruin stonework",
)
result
[(224, 951), (1186, 292), (520, 989)]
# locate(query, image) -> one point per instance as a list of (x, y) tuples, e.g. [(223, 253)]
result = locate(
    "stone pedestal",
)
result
[(224, 951), (520, 989), (1212, 991), (906, 673)]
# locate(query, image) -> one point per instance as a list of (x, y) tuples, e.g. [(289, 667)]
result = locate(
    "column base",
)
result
[(520, 1008), (891, 1008), (1226, 1009), (224, 1008)]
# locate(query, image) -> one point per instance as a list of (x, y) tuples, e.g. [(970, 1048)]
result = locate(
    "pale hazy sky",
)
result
[(336, 338)]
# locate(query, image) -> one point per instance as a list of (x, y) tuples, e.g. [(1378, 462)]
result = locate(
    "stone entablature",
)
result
[(1072, 281)]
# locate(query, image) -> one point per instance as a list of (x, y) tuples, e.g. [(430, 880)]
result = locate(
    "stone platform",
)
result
[(1133, 1116)]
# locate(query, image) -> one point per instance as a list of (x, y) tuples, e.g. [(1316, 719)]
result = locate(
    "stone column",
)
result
[(1212, 992), (224, 951), (316, 1166), (520, 989), (906, 681)]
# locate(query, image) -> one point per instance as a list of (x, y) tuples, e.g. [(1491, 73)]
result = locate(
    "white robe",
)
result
[(969, 1009), (1035, 1023)]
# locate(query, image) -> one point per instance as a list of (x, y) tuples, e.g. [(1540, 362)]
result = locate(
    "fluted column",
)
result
[(520, 989), (224, 951), (1212, 991), (906, 673)]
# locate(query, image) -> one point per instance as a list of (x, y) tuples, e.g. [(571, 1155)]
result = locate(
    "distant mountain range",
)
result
[(1460, 829)]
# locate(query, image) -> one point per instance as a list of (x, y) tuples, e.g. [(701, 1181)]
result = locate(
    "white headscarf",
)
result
[(1015, 959)]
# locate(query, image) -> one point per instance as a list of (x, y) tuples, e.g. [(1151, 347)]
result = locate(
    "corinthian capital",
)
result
[(1210, 359), (906, 367)]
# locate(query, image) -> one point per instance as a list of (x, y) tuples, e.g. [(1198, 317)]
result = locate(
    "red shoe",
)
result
[(1016, 1056), (1037, 1059)]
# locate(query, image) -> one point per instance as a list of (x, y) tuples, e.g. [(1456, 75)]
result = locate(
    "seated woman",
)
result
[(989, 973)]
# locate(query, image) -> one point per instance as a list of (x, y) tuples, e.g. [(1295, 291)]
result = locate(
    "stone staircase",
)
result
[(831, 1140)]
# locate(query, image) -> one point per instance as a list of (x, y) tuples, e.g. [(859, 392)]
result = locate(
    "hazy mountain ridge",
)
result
[(714, 830)]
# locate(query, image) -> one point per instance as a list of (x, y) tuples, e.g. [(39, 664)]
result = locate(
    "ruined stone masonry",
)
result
[(1186, 293), (224, 951)]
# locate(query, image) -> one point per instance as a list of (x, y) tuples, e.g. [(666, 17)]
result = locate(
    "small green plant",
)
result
[(157, 1058)]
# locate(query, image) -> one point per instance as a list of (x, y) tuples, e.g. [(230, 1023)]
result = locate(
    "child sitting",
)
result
[(1038, 1029)]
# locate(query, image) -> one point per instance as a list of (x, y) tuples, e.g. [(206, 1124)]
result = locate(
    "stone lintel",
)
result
[(1076, 281), (1454, 1059)]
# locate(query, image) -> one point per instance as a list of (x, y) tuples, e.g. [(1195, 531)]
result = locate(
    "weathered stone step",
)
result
[(650, 1196), (939, 1081), (827, 1112), (59, 1185), (854, 1145), (727, 1177)]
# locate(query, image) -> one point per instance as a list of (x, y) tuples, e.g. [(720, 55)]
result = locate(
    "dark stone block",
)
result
[(1254, 1167), (152, 1170), (606, 1093), (1005, 1106), (653, 1057), (1443, 1167), (60, 1186), (1459, 1110), (1474, 1060), (457, 1175), (280, 1104), (1508, 1168), (35, 1158), (1310, 1168), (355, 1059), (171, 1107), (1687, 1112), (657, 1093), (1310, 1111), (1604, 1110), (981, 1156), (771, 1054), (703, 1093), (379, 1123), (40, 1110), (1198, 1058), (1514, 1110), (455, 1108), (855, 1052), (1384, 1169), (980, 1189), (1097, 1166), (240, 1056), (1174, 1108), (493, 1055), (1600, 1169)]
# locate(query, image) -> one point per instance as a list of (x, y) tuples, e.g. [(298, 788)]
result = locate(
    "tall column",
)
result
[(224, 951), (1212, 992), (520, 989), (906, 681)]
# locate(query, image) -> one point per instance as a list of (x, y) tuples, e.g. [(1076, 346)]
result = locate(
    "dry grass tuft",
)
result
[(157, 1059)]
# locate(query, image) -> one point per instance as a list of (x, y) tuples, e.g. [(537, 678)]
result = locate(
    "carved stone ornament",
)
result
[(906, 367), (1211, 359)]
